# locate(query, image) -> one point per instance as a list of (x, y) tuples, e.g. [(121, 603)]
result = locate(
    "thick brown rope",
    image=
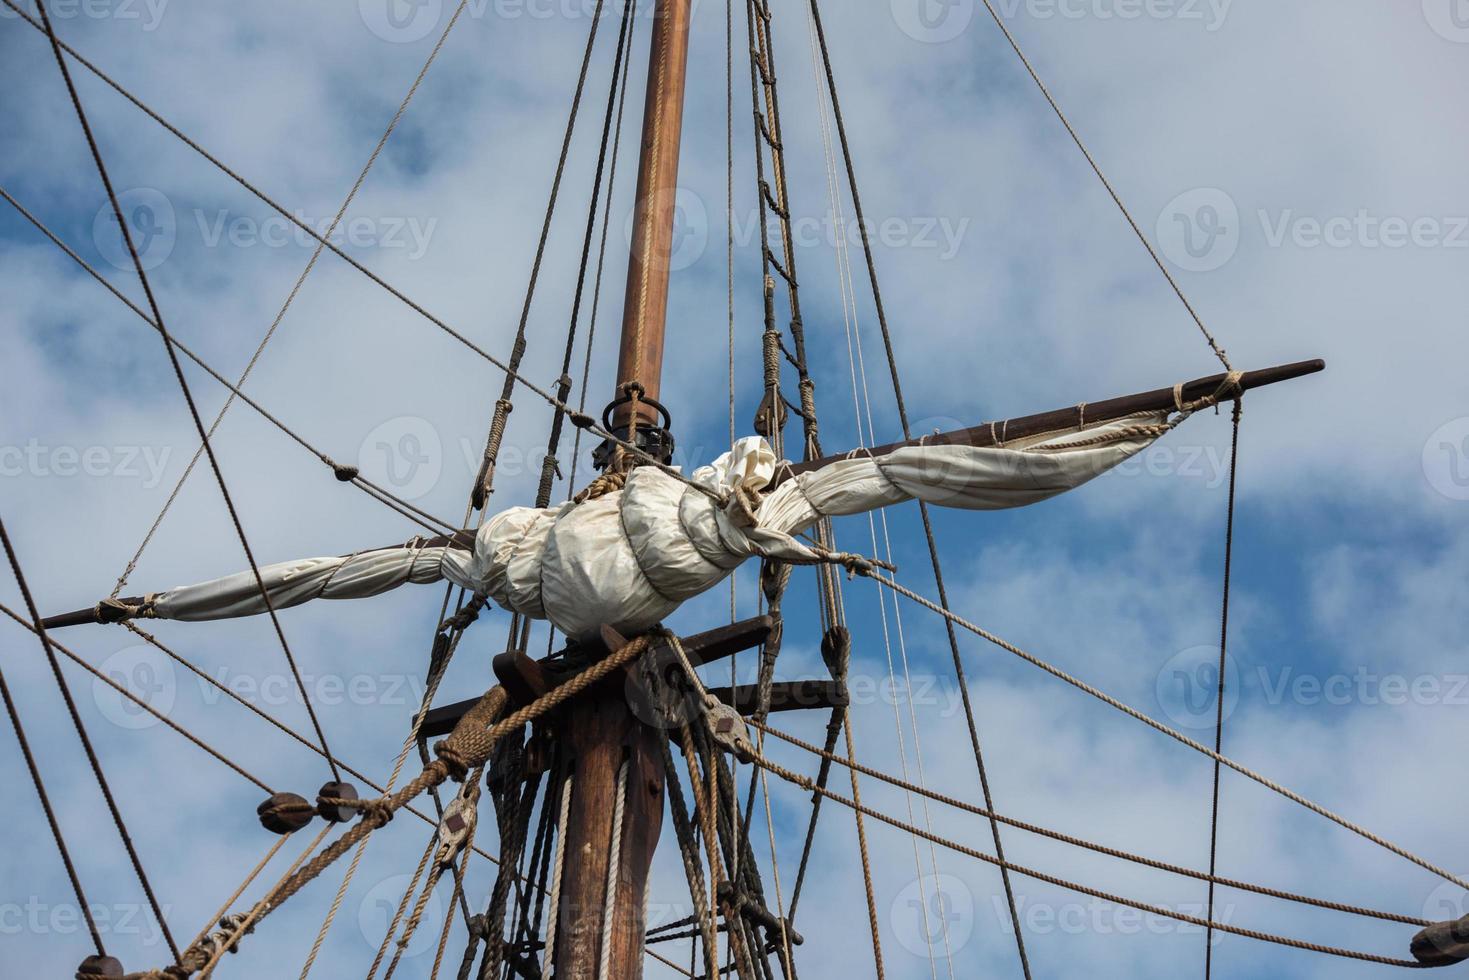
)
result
[(467, 747)]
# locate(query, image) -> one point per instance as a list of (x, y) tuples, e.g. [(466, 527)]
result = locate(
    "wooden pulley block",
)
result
[(99, 966), (729, 730), (458, 823), (1443, 943), (285, 813), (336, 813)]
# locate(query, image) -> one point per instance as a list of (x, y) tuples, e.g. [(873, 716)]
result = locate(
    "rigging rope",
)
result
[(1178, 736), (249, 880), (810, 786), (81, 729), (1116, 198), (831, 757), (346, 474), (620, 71), (168, 344), (56, 834), (578, 417), (562, 821), (291, 297), (235, 696), (932, 544), (614, 869), (503, 407), (1223, 663)]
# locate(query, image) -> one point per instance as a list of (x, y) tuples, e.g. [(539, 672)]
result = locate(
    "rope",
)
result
[(828, 757), (704, 814), (178, 371), (807, 784), (614, 870), (562, 822), (1172, 733), (1223, 663), (932, 544), (862, 850), (225, 689), (206, 953), (392, 929), (601, 266), (123, 691), (345, 474), (81, 730), (558, 420), (331, 914), (689, 850), (291, 297), (249, 880), (485, 484), (1116, 198), (578, 417), (56, 834)]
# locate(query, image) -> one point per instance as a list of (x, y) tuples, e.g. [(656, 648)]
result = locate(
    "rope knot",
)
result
[(464, 618), (609, 482)]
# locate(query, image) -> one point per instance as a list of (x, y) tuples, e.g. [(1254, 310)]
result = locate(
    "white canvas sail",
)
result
[(630, 558)]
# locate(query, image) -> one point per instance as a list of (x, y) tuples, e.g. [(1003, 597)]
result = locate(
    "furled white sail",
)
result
[(631, 557)]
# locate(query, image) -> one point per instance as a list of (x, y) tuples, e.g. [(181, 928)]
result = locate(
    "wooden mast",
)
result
[(600, 733), (645, 311)]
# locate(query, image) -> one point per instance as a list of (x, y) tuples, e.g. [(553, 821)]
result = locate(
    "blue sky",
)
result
[(1298, 166)]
